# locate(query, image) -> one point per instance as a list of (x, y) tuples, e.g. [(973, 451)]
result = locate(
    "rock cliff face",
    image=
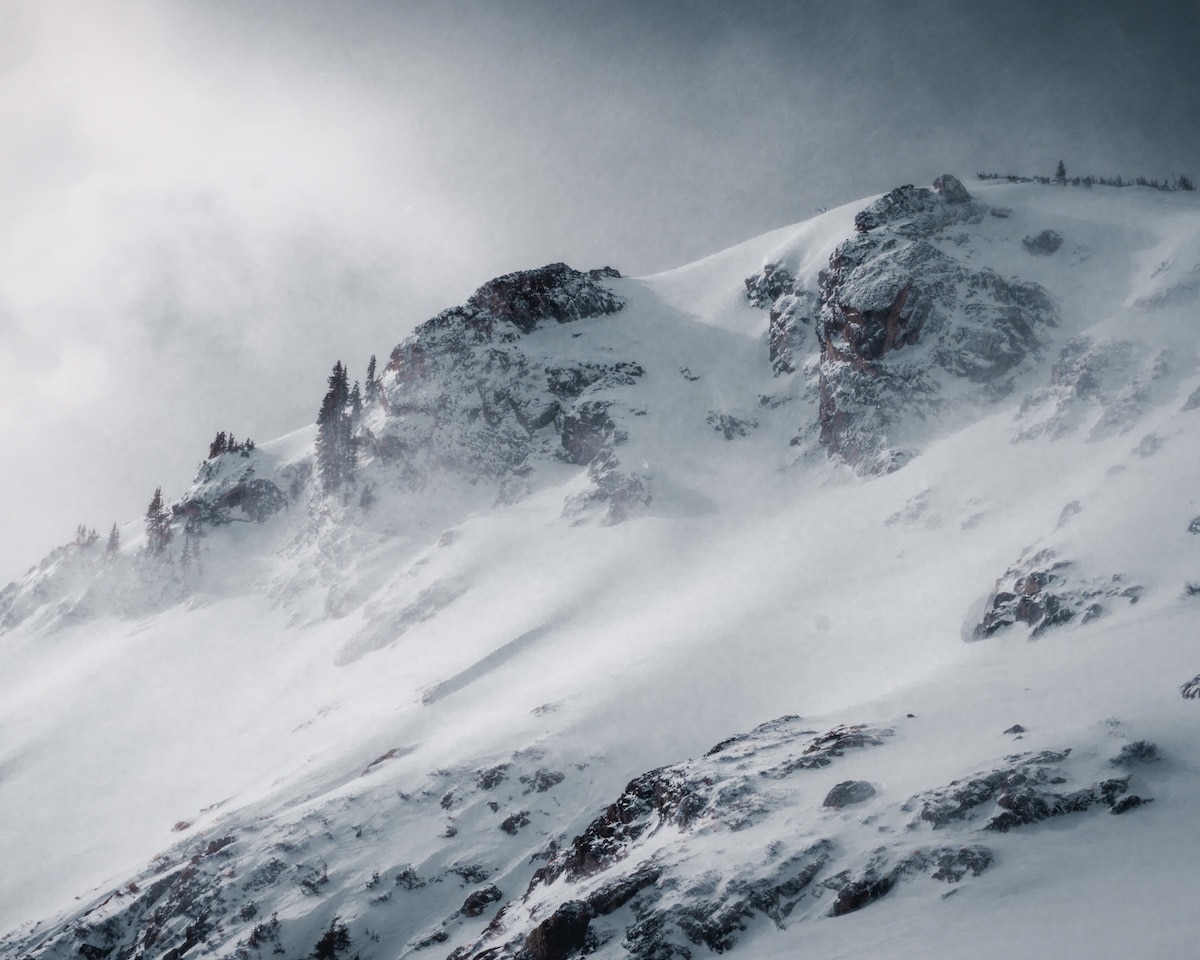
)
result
[(472, 392), (903, 324)]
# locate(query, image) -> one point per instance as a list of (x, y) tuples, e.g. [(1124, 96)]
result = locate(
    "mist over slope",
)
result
[(425, 678)]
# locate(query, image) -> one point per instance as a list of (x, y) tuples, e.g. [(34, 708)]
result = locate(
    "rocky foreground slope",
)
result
[(422, 681)]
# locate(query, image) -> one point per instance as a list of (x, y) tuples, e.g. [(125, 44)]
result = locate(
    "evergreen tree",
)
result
[(1060, 174), (219, 446), (356, 403), (371, 386), (158, 524), (335, 446), (114, 541)]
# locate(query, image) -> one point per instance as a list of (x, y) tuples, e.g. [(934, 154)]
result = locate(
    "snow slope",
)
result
[(313, 720)]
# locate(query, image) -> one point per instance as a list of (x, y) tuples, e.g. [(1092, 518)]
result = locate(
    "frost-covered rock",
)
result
[(1044, 243), (1041, 592), (471, 391), (901, 318)]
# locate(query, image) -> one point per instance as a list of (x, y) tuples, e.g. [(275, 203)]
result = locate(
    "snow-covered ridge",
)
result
[(594, 525)]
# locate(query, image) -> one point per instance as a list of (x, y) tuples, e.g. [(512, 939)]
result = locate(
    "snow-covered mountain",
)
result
[(832, 595)]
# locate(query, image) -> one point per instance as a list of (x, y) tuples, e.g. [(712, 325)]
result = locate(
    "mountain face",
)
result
[(888, 521)]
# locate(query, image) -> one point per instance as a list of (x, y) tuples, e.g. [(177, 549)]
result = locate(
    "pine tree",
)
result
[(370, 386), (219, 446), (158, 524), (335, 447), (1060, 174), (114, 541)]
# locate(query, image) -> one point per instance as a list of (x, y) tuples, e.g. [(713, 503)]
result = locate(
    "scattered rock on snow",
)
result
[(1044, 244), (1039, 593), (848, 792)]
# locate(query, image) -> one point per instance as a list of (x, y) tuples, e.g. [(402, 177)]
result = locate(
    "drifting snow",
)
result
[(346, 689)]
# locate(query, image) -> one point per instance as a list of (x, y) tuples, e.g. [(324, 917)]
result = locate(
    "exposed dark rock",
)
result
[(1023, 791), (951, 189), (470, 873), (863, 891), (1125, 804), (1015, 728), (586, 431), (620, 493), (953, 865), (891, 288), (468, 393), (1194, 526), (542, 780), (848, 792), (560, 934), (409, 879), (617, 893), (1191, 689), (768, 285), (479, 900), (730, 426), (960, 799), (787, 328), (1039, 593), (514, 822), (492, 777), (1044, 244), (554, 292), (823, 749), (570, 382), (438, 936), (881, 873)]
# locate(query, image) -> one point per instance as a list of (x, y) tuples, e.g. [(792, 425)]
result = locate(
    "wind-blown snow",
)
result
[(761, 580)]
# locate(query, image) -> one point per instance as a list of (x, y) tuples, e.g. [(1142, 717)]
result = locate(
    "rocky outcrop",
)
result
[(472, 392), (1027, 790), (848, 792), (767, 286), (226, 490), (1044, 243), (1040, 592), (901, 324), (901, 319)]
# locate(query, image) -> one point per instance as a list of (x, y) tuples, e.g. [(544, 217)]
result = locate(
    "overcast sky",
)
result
[(204, 203)]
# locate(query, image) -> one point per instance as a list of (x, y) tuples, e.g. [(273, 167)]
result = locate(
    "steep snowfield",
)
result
[(446, 632)]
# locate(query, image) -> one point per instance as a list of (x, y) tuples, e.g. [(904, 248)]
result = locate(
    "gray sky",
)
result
[(204, 203)]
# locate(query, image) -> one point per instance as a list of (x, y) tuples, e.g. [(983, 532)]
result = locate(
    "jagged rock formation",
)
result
[(470, 391), (902, 324), (895, 287), (1040, 592), (1022, 790)]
